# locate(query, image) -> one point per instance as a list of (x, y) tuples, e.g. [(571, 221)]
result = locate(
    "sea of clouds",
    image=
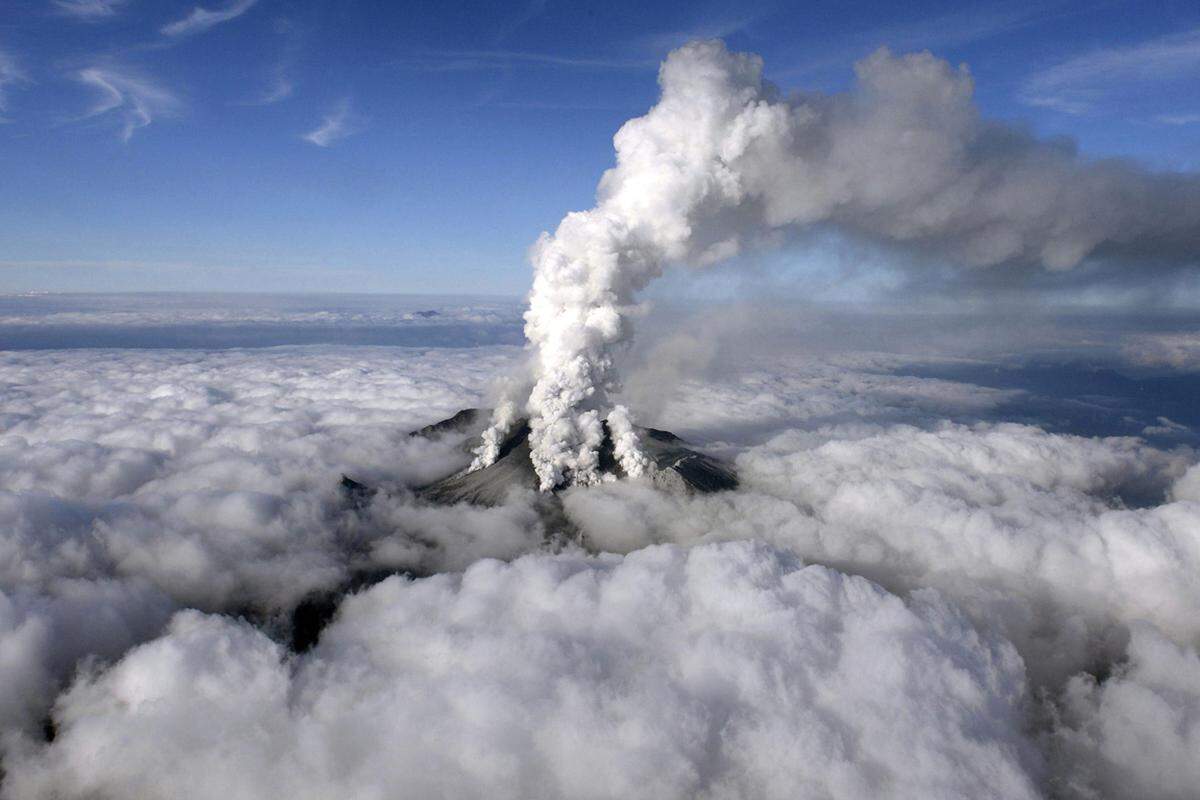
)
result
[(939, 578)]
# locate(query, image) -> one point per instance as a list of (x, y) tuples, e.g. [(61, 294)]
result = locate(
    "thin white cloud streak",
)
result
[(1178, 119), (1076, 85), (280, 83), (336, 125), (533, 9), (479, 60), (89, 10), (397, 312), (658, 43), (136, 99), (95, 264), (281, 89), (946, 30), (11, 74), (201, 19)]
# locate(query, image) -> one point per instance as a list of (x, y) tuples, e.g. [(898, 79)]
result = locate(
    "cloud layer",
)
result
[(908, 595), (148, 481), (667, 674), (1135, 734)]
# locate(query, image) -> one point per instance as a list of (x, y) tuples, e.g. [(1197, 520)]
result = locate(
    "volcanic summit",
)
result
[(675, 467)]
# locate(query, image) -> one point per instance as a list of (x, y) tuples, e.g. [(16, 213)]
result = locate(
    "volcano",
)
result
[(676, 467)]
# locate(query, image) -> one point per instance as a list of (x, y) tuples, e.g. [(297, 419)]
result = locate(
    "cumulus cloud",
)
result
[(723, 160), (1188, 486), (339, 123), (668, 674), (1023, 529), (45, 634), (134, 99), (154, 480), (89, 10), (220, 489), (1135, 734), (201, 19)]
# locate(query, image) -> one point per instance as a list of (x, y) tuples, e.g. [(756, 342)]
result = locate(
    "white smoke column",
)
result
[(626, 447), (504, 416), (722, 158), (587, 273)]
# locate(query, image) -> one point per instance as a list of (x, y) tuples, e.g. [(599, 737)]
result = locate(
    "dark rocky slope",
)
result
[(676, 467)]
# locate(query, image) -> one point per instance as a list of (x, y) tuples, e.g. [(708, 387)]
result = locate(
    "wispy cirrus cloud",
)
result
[(706, 28), (11, 74), (1178, 119), (135, 99), (89, 10), (281, 88), (952, 29), (201, 19), (339, 123), (532, 10), (1078, 85), (484, 60), (280, 83)]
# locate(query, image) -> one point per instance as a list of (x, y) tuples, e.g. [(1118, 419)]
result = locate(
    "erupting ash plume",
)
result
[(723, 159)]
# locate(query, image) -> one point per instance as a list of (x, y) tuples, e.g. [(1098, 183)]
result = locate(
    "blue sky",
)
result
[(421, 146)]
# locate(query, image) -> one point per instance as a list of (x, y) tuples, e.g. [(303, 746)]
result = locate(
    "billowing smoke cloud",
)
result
[(671, 673), (723, 159)]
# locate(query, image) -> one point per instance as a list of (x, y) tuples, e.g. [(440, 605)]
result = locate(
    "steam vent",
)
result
[(676, 467)]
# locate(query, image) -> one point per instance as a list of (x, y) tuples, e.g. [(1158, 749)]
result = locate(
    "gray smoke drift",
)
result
[(722, 160)]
